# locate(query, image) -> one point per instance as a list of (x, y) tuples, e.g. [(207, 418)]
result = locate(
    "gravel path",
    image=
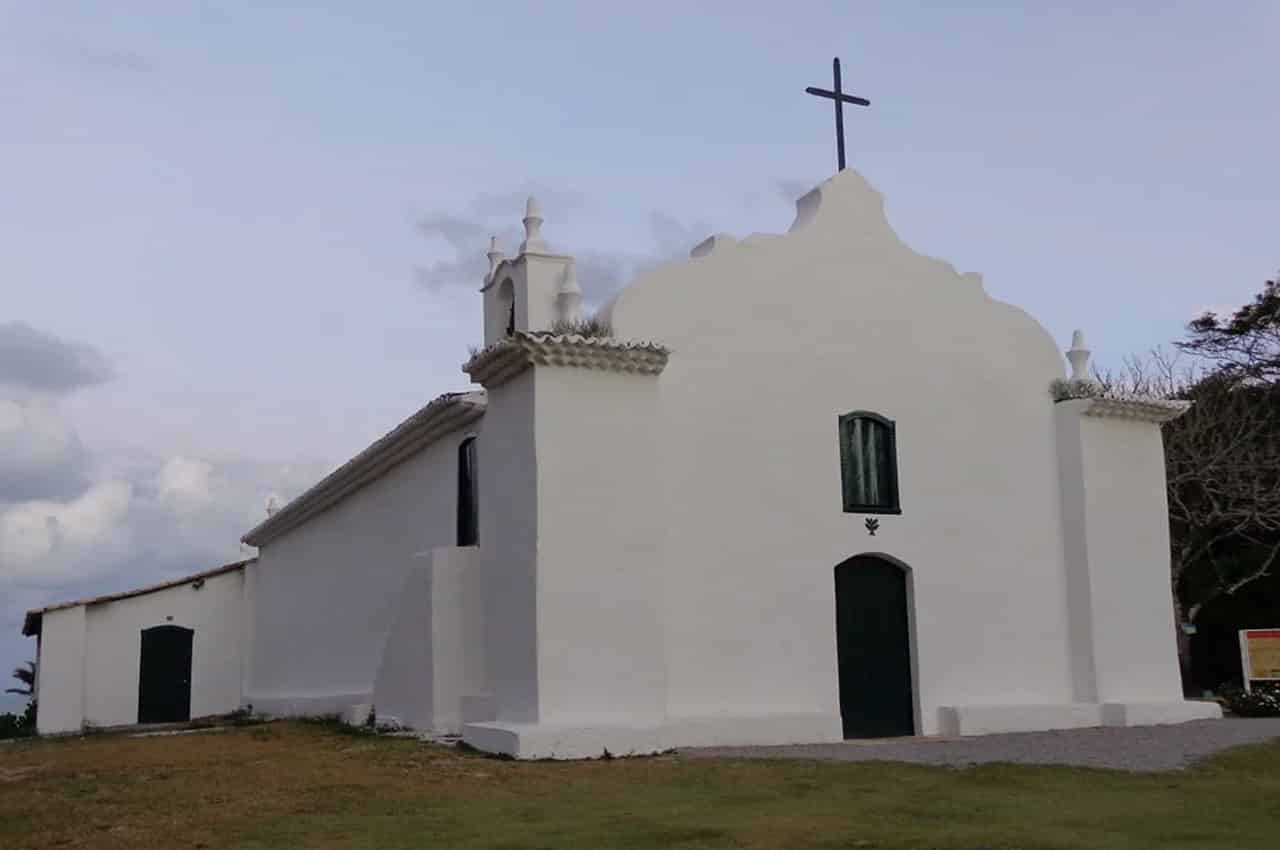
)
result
[(1138, 748)]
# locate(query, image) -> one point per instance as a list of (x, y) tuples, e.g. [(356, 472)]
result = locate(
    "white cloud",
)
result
[(44, 542), (153, 520), (75, 523), (40, 453), (184, 482), (600, 273)]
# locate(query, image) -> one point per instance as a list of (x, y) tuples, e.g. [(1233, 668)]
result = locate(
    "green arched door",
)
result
[(164, 675), (873, 643)]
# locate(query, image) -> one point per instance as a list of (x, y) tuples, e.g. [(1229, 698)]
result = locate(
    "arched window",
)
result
[(468, 494), (868, 464), (507, 300)]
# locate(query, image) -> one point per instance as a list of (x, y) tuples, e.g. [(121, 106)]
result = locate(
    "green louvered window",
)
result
[(868, 464)]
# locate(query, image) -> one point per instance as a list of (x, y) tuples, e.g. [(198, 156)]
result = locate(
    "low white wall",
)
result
[(60, 700), (113, 647), (457, 635), (434, 655), (402, 687)]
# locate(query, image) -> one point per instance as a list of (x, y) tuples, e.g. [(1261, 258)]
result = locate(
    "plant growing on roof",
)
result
[(591, 328)]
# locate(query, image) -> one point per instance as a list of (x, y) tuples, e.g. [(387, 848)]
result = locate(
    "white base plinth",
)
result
[(954, 720), (544, 740), (1157, 713), (957, 720), (306, 705)]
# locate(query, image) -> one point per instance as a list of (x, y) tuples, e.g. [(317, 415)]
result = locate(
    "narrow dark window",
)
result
[(468, 494), (507, 304), (868, 464)]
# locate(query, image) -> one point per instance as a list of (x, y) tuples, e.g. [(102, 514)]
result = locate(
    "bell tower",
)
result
[(531, 291)]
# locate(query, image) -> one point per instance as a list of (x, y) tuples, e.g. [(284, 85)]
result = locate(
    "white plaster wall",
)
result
[(496, 309), (601, 655), (434, 655), (1123, 518), (113, 647), (508, 548), (403, 687), (772, 339), (326, 592), (60, 705), (457, 634), (248, 605), (1076, 552)]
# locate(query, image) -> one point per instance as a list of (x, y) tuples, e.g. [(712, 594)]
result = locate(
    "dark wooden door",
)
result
[(873, 644), (164, 675)]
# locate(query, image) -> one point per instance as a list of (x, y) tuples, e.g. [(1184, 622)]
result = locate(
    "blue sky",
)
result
[(258, 227)]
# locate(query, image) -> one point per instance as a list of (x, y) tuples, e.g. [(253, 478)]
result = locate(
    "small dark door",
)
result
[(164, 675), (873, 645)]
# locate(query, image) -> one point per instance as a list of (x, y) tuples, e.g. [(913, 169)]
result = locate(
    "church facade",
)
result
[(811, 486)]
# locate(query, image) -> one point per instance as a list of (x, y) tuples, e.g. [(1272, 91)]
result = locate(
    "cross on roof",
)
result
[(840, 99)]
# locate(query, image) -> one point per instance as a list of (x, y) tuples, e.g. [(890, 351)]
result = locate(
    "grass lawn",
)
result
[(293, 785)]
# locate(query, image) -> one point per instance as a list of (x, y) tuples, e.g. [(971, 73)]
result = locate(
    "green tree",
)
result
[(1246, 346), (26, 674), (24, 724), (1222, 462), (1222, 457)]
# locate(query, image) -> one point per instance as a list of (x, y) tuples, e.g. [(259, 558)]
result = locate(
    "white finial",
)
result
[(1078, 356), (273, 504), (569, 294), (569, 280), (495, 256), (532, 227)]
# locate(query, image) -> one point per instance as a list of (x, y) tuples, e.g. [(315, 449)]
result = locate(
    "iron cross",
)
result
[(840, 99)]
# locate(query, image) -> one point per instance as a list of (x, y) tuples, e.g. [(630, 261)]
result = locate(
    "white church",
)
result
[(809, 486)]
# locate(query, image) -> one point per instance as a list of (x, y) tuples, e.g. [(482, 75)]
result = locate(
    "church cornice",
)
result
[(441, 416), (503, 360), (1139, 409)]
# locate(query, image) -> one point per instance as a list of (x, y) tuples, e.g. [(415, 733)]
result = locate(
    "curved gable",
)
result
[(839, 269)]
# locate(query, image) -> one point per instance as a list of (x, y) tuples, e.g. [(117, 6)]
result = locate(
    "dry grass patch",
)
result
[(304, 786)]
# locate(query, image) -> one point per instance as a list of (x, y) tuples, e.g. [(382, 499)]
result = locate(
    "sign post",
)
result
[(1259, 656)]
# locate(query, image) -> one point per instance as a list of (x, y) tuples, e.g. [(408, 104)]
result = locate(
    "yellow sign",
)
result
[(1260, 653)]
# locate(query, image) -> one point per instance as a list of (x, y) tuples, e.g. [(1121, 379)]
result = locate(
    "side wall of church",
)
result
[(324, 593), (773, 339)]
